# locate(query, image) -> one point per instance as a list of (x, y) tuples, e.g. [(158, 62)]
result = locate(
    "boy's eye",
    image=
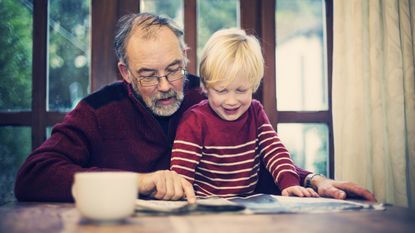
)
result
[(220, 91), (241, 90)]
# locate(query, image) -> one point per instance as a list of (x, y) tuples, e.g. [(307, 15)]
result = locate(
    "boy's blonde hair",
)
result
[(229, 53)]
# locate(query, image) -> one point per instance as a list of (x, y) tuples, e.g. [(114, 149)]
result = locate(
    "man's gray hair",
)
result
[(148, 24)]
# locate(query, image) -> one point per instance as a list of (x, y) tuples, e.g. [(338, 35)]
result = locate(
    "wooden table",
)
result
[(63, 217)]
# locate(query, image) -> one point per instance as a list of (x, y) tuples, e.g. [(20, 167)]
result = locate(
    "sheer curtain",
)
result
[(373, 96)]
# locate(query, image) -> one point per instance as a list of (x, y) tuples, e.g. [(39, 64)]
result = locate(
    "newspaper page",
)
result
[(254, 204)]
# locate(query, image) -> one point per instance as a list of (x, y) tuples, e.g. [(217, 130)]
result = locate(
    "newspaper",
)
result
[(254, 204)]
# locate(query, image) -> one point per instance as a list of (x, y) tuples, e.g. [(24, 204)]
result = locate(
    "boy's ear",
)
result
[(124, 72), (204, 90)]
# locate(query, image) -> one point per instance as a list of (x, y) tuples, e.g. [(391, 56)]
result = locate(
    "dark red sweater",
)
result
[(108, 130)]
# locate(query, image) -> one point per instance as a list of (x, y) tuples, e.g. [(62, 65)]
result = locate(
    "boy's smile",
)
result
[(230, 100)]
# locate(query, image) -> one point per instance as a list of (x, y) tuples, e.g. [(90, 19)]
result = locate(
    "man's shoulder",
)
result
[(108, 94), (193, 92)]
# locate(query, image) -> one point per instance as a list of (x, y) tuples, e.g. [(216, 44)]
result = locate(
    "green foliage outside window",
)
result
[(15, 87), (214, 15), (68, 50), (15, 55)]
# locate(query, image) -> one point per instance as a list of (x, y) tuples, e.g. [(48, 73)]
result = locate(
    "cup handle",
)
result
[(74, 193)]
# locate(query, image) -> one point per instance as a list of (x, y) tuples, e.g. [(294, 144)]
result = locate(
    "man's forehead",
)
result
[(146, 67), (154, 33), (156, 52)]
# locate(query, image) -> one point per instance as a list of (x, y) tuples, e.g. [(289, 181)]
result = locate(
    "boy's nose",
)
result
[(231, 100)]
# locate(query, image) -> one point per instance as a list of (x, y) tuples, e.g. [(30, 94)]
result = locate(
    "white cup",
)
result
[(105, 196)]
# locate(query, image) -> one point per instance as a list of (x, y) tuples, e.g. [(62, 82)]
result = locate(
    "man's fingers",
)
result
[(356, 191), (188, 191), (285, 193), (178, 190), (170, 183), (333, 192), (160, 185)]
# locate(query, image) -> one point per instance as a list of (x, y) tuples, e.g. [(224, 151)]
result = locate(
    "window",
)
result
[(35, 94), (172, 9), (68, 53), (15, 90), (301, 86)]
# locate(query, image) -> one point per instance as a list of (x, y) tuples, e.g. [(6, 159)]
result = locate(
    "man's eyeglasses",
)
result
[(154, 80)]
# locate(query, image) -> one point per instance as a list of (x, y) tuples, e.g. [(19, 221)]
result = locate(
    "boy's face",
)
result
[(230, 100)]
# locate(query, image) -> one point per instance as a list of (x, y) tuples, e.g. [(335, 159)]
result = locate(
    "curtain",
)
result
[(373, 96)]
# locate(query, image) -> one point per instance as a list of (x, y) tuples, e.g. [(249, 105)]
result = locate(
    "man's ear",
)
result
[(186, 60), (124, 72)]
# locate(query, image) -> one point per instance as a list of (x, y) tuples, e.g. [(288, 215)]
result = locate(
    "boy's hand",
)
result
[(299, 191)]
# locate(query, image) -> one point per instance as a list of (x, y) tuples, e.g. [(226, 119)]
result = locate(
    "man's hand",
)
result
[(340, 189), (166, 185), (299, 191)]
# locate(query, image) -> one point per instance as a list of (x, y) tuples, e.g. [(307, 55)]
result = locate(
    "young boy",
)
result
[(221, 141)]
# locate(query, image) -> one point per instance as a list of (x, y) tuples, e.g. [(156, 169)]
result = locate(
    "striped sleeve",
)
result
[(275, 156), (187, 149)]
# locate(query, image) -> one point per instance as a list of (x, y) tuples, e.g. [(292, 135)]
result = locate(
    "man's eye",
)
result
[(173, 70), (149, 78), (148, 74)]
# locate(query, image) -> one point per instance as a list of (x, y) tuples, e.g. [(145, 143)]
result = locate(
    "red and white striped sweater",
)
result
[(222, 158)]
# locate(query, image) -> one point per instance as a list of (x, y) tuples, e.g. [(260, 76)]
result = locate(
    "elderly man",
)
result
[(131, 125)]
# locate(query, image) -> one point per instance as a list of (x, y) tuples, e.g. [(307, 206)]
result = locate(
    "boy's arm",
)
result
[(187, 148), (277, 159), (275, 156)]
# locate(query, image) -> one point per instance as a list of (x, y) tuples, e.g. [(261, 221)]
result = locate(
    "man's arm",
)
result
[(47, 173)]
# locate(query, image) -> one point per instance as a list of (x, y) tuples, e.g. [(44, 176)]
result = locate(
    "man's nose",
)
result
[(164, 84)]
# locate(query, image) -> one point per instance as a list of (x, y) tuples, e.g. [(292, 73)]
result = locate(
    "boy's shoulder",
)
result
[(256, 105), (198, 109)]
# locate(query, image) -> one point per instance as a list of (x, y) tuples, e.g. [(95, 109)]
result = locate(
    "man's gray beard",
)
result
[(162, 110)]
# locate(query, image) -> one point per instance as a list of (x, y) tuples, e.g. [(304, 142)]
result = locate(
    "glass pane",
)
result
[(15, 145), (300, 56), (16, 55), (48, 131), (213, 15), (307, 144), (69, 53), (172, 9)]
